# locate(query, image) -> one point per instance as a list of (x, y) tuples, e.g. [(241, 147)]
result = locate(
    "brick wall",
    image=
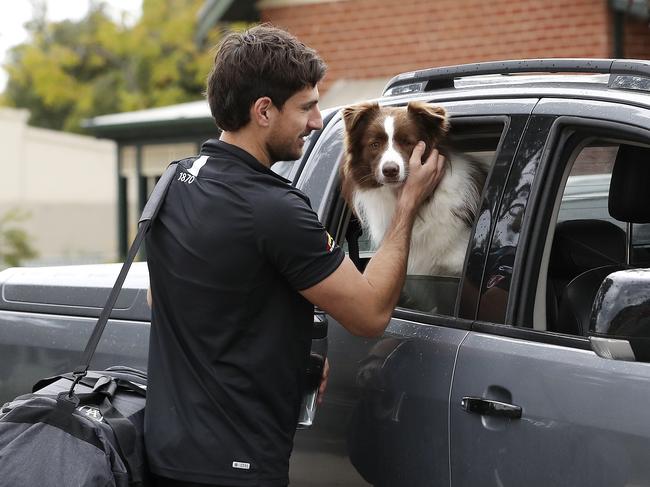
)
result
[(375, 38), (636, 44)]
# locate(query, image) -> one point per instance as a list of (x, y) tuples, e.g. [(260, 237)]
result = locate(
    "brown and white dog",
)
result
[(379, 143)]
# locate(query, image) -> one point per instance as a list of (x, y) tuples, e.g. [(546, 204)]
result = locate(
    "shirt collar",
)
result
[(216, 147)]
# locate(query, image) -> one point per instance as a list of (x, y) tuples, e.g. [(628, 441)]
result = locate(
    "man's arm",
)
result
[(364, 303)]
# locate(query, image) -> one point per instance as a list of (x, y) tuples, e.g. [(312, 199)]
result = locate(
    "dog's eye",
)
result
[(374, 145)]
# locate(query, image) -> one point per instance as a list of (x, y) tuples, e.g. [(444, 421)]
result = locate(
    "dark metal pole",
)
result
[(122, 213), (619, 34), (142, 181), (142, 191)]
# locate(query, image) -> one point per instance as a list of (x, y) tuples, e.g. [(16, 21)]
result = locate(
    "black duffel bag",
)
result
[(90, 438), (84, 428)]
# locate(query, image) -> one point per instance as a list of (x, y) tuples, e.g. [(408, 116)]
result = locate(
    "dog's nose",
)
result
[(390, 170)]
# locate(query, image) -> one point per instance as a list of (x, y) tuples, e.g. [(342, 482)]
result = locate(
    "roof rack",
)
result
[(439, 78)]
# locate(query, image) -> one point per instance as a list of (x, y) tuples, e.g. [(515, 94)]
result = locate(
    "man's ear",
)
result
[(261, 111)]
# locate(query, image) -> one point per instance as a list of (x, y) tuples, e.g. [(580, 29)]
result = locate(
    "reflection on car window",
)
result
[(284, 168), (318, 176)]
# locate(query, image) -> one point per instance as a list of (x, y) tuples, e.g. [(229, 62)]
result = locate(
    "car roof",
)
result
[(626, 81)]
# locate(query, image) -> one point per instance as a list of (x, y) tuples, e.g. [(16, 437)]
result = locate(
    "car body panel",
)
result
[(47, 315), (60, 291), (583, 421), (38, 345)]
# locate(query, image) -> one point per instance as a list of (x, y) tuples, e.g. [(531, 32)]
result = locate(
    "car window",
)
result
[(320, 175), (435, 293), (586, 238)]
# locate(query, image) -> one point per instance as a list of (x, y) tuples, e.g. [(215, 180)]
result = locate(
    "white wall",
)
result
[(67, 184)]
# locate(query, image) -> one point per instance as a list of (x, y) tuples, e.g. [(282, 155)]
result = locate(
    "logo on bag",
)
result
[(92, 413), (242, 465)]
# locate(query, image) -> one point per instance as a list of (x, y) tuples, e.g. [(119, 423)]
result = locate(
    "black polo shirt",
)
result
[(230, 334)]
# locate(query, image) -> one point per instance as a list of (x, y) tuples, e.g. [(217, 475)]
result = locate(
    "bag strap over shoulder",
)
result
[(148, 214)]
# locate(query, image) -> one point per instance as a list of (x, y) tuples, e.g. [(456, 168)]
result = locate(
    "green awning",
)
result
[(179, 121)]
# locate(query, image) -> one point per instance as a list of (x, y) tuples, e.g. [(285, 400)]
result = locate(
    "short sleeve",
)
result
[(290, 235)]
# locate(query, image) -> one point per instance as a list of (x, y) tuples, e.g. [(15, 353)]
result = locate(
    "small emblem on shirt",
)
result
[(197, 165), (242, 465), (330, 243), (193, 172)]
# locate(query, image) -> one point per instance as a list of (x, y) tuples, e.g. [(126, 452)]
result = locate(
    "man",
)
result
[(237, 259)]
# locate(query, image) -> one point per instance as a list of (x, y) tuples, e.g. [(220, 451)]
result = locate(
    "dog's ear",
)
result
[(354, 114), (434, 117)]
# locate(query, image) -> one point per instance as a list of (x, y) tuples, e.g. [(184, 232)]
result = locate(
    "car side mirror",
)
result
[(619, 327)]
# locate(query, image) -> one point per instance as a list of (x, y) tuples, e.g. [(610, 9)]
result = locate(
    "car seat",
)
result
[(579, 246), (628, 201)]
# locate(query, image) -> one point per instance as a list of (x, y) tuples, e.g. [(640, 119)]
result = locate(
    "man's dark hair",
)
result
[(262, 61)]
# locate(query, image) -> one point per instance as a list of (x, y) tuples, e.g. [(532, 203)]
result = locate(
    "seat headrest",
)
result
[(629, 191), (580, 245)]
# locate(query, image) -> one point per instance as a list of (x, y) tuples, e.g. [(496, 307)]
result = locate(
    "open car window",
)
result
[(585, 241), (436, 294)]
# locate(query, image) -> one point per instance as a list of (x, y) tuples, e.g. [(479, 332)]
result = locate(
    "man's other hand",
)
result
[(323, 381)]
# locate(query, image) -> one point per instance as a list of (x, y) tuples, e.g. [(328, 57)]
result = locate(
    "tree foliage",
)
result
[(71, 70), (14, 241)]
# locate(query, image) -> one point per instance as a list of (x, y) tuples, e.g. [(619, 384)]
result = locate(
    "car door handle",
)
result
[(488, 407)]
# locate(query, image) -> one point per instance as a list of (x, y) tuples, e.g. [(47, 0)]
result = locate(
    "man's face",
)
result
[(297, 119)]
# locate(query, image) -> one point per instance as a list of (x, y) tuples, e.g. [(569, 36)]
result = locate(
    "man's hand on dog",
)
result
[(423, 176)]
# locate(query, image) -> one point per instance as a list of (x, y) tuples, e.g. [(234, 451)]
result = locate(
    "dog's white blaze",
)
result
[(390, 154), (197, 165)]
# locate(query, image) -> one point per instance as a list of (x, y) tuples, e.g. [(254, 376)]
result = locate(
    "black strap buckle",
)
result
[(79, 373)]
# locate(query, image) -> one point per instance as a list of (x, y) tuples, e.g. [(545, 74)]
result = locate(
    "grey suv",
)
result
[(515, 380)]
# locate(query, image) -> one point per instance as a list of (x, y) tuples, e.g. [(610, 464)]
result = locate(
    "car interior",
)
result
[(611, 235)]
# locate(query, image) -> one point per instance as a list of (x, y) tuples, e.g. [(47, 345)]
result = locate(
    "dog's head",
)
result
[(380, 140)]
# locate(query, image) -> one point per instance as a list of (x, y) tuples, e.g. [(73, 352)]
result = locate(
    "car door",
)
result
[(384, 420), (531, 404)]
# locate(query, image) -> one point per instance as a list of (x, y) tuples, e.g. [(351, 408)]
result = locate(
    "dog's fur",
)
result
[(379, 143)]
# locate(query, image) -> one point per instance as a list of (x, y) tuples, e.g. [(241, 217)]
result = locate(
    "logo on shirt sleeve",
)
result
[(331, 244), (193, 172), (197, 165)]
